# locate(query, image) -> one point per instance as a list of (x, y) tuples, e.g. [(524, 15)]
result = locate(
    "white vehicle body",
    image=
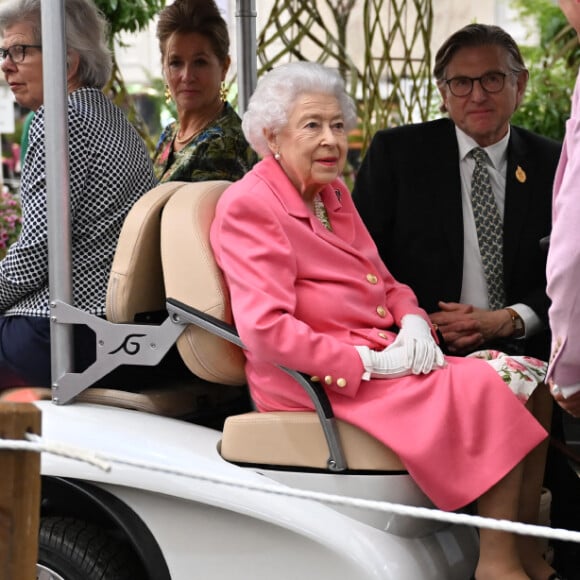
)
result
[(211, 530)]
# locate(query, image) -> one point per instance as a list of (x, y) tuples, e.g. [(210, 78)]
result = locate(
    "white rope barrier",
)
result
[(36, 444), (105, 462)]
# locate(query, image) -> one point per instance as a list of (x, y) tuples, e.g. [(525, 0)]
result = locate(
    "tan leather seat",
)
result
[(192, 277), (170, 402), (136, 280), (135, 291), (296, 439)]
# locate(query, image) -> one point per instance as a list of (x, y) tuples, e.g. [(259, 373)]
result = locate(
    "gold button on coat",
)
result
[(372, 278), (382, 335), (341, 383), (328, 380), (315, 379), (381, 311)]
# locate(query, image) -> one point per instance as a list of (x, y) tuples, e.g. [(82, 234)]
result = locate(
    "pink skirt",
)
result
[(458, 430)]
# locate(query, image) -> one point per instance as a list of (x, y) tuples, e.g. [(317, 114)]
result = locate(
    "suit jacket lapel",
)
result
[(517, 200), (341, 220)]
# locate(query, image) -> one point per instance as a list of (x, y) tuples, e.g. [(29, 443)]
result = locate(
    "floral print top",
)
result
[(220, 151)]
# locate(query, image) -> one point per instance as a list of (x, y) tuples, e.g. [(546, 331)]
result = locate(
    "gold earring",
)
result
[(223, 92), (167, 94)]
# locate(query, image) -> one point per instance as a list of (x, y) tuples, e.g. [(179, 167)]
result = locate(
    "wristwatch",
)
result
[(517, 323)]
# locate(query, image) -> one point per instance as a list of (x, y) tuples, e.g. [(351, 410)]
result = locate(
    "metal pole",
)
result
[(246, 41), (57, 179)]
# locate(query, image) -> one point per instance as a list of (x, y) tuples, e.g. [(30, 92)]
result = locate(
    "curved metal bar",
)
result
[(181, 313)]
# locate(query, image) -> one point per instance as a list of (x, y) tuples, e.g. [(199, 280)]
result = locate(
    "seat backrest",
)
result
[(192, 276), (136, 280)]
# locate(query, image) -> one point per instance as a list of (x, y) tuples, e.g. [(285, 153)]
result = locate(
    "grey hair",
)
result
[(477, 35), (276, 93), (86, 35)]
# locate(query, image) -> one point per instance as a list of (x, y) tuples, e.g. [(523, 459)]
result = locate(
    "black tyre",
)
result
[(70, 549)]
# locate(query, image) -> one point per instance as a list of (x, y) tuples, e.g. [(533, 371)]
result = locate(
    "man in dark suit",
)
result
[(414, 189)]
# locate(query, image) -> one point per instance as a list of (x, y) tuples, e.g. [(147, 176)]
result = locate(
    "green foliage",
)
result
[(129, 15), (553, 66), (543, 16), (546, 105)]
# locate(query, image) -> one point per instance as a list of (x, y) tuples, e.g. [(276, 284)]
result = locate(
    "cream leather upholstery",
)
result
[(167, 402), (297, 439), (136, 280), (192, 277), (135, 287)]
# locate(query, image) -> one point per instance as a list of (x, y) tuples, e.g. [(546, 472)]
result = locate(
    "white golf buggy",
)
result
[(188, 495), (145, 518)]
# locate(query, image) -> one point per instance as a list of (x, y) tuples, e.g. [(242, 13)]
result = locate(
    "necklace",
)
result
[(183, 140), (321, 213)]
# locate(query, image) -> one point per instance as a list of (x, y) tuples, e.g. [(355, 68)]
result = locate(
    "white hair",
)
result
[(276, 93)]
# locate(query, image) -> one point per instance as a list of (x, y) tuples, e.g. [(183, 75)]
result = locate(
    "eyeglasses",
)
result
[(16, 52), (492, 82)]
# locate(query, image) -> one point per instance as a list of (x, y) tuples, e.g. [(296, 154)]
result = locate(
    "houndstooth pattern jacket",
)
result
[(109, 170)]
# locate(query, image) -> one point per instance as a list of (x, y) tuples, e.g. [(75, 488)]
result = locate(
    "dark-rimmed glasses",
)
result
[(16, 52), (491, 82)]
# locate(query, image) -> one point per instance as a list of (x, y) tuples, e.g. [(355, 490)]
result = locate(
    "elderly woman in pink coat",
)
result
[(563, 268), (309, 292)]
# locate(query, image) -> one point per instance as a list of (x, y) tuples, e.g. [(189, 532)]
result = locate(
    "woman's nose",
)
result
[(328, 135), (188, 72)]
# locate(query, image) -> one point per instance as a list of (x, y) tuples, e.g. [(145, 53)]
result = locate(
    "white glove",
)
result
[(383, 364), (423, 354)]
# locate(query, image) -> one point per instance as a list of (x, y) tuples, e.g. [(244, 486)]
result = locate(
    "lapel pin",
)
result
[(521, 175)]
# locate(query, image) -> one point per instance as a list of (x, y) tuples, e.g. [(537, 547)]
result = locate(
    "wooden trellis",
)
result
[(380, 47)]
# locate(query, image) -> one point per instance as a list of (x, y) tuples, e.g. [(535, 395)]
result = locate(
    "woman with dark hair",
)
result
[(206, 141)]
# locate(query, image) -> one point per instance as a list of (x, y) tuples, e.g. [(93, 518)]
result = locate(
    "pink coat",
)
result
[(563, 268), (303, 296)]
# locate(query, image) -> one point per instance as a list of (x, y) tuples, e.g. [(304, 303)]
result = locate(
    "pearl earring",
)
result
[(277, 156)]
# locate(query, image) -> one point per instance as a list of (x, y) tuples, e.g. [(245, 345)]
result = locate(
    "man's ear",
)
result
[(522, 83), (442, 88)]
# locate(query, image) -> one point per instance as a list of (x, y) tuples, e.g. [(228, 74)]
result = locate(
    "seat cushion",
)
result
[(170, 401), (296, 439), (136, 280), (192, 277)]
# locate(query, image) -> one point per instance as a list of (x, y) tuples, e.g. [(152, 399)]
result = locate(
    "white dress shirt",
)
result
[(474, 285)]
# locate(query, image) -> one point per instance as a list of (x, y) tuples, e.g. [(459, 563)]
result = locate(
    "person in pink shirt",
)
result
[(310, 292), (563, 267)]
